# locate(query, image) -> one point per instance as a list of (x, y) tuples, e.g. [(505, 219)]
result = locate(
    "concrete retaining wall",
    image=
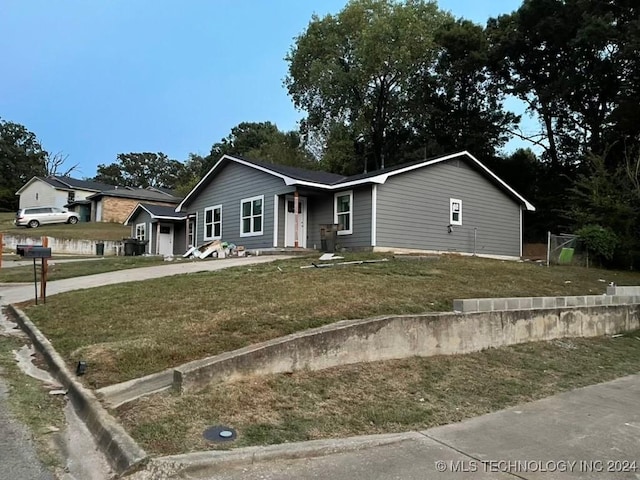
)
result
[(60, 245), (120, 449), (387, 338), (623, 291)]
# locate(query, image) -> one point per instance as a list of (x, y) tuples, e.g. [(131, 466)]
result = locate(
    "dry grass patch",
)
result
[(380, 397), (187, 317), (79, 231)]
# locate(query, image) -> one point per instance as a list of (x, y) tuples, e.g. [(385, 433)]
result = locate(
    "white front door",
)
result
[(165, 240), (290, 222)]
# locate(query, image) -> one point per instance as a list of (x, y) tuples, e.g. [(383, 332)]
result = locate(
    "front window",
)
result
[(343, 212), (213, 222), (141, 231), (251, 216), (455, 211), (71, 196)]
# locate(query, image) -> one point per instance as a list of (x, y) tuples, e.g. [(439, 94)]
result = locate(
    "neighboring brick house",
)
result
[(116, 204), (59, 191)]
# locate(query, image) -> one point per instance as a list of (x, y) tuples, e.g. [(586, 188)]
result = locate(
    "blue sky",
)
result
[(96, 78)]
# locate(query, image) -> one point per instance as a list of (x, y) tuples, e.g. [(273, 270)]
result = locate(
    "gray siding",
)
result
[(179, 238), (321, 212), (143, 217), (413, 212), (232, 184)]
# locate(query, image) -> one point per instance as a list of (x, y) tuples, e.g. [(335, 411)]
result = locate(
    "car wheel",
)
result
[(34, 224), (73, 220)]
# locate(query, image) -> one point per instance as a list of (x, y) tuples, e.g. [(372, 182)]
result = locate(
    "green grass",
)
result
[(129, 330), (30, 402), (378, 397), (80, 231), (59, 271)]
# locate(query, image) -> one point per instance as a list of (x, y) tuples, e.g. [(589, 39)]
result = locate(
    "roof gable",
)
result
[(156, 212), (137, 194), (332, 182)]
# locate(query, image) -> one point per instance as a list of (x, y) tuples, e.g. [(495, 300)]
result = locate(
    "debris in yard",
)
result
[(329, 256), (356, 262), (602, 280), (216, 249), (57, 392), (617, 335), (567, 281), (51, 429), (81, 368)]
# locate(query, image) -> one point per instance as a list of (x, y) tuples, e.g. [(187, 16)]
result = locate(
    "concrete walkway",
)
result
[(589, 433), (26, 292)]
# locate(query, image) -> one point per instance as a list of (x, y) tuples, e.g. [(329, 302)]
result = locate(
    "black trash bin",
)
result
[(130, 246), (141, 247), (100, 249), (328, 237)]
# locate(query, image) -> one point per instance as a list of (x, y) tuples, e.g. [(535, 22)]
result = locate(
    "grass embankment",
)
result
[(59, 271), (129, 330), (379, 397), (80, 231)]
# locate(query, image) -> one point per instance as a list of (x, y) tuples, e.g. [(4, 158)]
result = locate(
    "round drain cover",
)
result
[(219, 433)]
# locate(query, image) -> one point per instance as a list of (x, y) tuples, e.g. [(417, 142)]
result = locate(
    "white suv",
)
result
[(33, 217)]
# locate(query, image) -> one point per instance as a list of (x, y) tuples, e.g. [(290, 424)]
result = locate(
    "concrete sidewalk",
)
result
[(589, 433), (26, 292)]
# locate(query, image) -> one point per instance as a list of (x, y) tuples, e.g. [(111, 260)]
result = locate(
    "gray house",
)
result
[(451, 203), (160, 226)]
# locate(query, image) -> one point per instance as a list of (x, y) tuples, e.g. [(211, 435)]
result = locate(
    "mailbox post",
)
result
[(35, 252)]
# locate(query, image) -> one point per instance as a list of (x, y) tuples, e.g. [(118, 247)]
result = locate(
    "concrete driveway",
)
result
[(26, 292)]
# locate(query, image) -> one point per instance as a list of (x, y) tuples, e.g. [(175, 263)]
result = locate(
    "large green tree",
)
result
[(21, 157), (263, 141), (456, 104), (145, 169), (351, 72)]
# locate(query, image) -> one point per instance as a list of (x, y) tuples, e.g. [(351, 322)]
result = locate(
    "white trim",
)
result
[(276, 206), (252, 233), (349, 231), (144, 231), (213, 223), (408, 251), (195, 233), (374, 214), (520, 231), (452, 202), (150, 244), (377, 179)]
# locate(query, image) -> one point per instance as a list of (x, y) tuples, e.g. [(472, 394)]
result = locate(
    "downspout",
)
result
[(297, 221)]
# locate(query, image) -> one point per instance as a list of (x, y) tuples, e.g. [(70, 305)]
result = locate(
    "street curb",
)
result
[(218, 460), (122, 452)]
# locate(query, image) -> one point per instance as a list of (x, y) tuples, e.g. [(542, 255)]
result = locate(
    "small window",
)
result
[(251, 217), (71, 196), (165, 230), (141, 231), (213, 223), (455, 211), (343, 212)]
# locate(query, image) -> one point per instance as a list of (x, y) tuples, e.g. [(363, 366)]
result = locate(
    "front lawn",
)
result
[(129, 330)]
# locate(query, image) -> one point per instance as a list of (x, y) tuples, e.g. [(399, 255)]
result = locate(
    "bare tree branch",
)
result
[(55, 165)]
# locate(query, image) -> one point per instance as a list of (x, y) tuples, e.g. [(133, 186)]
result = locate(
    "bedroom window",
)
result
[(455, 211), (343, 212), (141, 231), (213, 222), (251, 216)]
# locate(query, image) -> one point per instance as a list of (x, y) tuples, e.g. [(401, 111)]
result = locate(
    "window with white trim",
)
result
[(251, 216), (141, 231), (343, 212), (213, 223), (455, 211)]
